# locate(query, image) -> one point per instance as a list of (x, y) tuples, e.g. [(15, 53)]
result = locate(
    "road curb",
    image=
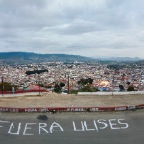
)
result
[(71, 109)]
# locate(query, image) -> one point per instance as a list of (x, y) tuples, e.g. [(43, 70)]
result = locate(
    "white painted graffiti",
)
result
[(120, 108), (101, 124), (71, 109), (131, 107), (27, 129)]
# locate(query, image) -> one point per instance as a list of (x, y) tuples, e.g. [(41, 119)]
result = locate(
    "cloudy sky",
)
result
[(83, 27)]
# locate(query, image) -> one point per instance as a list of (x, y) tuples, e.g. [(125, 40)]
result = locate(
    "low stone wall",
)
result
[(71, 109)]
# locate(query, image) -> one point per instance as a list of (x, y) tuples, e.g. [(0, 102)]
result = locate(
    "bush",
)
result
[(7, 86), (88, 88), (130, 88), (49, 86), (57, 88), (73, 92)]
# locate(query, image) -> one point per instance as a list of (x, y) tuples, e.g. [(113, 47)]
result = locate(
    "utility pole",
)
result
[(68, 85), (112, 85), (2, 86), (39, 83)]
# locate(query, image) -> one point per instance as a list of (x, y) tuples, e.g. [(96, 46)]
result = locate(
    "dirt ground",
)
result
[(62, 100)]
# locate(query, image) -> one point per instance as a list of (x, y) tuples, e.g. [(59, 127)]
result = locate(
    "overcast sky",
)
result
[(82, 27)]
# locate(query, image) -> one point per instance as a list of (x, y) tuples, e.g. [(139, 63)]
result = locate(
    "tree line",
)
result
[(84, 85)]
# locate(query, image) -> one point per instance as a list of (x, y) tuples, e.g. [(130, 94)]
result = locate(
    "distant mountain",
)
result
[(118, 59), (15, 58), (27, 57)]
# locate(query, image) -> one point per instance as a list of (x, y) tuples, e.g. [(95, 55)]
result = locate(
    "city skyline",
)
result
[(98, 28)]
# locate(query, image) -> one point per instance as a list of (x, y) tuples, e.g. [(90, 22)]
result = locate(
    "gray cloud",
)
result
[(97, 27)]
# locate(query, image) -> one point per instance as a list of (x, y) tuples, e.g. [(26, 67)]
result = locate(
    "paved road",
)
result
[(73, 128)]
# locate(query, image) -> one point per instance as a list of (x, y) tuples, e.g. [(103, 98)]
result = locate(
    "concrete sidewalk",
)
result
[(62, 100), (20, 94)]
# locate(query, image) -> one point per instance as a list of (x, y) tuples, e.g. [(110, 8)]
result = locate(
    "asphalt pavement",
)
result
[(72, 128)]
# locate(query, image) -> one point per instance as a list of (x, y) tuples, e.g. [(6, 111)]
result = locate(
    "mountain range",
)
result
[(118, 58), (30, 57)]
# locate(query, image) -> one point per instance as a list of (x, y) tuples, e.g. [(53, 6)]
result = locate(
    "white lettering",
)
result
[(75, 129), (4, 109), (31, 110), (95, 125), (131, 107), (79, 109), (113, 124), (12, 127), (42, 127), (44, 110), (4, 122), (26, 128), (85, 124), (101, 122), (94, 109), (120, 108), (14, 110), (79, 126), (55, 125), (126, 124)]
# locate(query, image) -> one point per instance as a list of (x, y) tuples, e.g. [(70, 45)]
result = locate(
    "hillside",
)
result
[(15, 58), (26, 57)]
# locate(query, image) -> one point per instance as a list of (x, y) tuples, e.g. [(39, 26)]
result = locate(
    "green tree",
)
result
[(49, 86), (84, 82), (41, 85), (88, 88), (121, 87), (7, 86), (89, 80), (62, 84), (57, 88), (131, 88)]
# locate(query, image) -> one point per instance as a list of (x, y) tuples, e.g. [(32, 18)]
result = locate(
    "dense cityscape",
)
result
[(104, 77)]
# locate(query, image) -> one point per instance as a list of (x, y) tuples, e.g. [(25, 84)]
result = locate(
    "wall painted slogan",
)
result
[(71, 109), (19, 128)]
